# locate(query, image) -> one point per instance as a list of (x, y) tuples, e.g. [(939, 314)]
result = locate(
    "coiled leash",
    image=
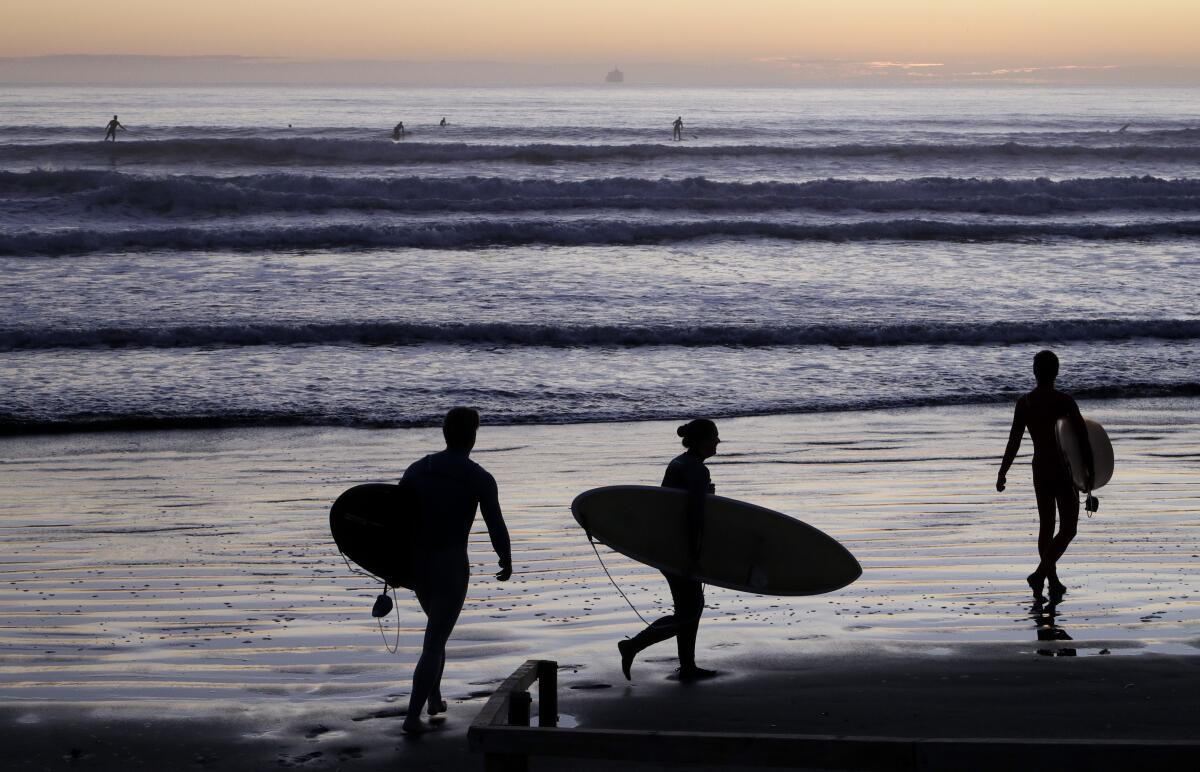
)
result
[(383, 605)]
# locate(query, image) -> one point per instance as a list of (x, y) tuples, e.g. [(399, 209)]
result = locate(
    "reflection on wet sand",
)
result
[(1044, 615)]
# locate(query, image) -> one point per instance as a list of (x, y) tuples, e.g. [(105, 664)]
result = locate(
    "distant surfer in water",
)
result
[(110, 131), (686, 472), (677, 128), (398, 132), (450, 486), (1039, 411), (443, 123)]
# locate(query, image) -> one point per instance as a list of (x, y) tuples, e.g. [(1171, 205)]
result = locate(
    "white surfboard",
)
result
[(745, 547), (1072, 453)]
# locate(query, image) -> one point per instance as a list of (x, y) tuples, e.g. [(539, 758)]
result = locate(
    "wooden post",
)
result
[(518, 708), (547, 673)]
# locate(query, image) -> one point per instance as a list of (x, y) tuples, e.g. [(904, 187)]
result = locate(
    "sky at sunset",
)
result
[(768, 40)]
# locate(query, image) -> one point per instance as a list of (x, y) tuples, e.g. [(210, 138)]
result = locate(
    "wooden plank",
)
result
[(844, 752), (715, 748), (495, 710)]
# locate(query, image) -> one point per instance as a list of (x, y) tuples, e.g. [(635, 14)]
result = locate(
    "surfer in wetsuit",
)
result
[(398, 132), (686, 472), (110, 131), (1039, 411), (450, 486), (677, 128), (443, 123)]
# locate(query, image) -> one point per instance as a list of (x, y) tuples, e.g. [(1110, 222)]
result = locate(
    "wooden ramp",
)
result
[(502, 733)]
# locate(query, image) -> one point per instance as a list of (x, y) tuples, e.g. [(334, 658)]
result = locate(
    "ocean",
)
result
[(269, 256), (255, 299)]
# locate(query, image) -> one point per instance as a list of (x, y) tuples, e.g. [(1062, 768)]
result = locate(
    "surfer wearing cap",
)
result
[(686, 472), (1039, 411), (450, 487), (110, 131)]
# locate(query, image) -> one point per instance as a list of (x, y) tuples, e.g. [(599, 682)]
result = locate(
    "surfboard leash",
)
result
[(592, 542), (379, 619)]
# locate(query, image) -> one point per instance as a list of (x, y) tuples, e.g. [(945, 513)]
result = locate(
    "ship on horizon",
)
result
[(615, 76)]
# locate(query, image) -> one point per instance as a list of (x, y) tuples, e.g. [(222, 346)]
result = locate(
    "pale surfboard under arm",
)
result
[(1072, 453), (745, 547)]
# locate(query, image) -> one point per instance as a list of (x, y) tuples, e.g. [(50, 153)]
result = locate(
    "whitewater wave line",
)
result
[(15, 423), (301, 150), (559, 335), (597, 231), (188, 195)]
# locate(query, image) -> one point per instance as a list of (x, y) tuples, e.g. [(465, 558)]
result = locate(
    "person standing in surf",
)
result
[(1039, 411), (110, 131), (398, 132), (686, 472), (450, 487), (677, 128)]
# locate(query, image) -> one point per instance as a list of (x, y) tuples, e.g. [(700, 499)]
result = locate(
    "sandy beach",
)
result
[(177, 595)]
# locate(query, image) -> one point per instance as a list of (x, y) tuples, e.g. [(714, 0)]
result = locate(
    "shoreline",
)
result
[(16, 431), (180, 579)]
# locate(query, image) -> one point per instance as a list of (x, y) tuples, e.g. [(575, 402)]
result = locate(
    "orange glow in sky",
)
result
[(921, 31)]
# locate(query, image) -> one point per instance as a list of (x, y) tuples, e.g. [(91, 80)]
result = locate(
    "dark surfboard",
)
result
[(376, 526)]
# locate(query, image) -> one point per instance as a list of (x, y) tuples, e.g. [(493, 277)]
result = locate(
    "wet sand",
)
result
[(185, 581)]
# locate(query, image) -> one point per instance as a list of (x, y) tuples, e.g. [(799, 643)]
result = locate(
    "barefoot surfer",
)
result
[(1039, 411), (686, 472), (450, 486)]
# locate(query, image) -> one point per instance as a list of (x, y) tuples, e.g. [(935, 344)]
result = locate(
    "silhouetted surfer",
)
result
[(1038, 411), (450, 486), (685, 472), (443, 123), (110, 131), (398, 132), (677, 128)]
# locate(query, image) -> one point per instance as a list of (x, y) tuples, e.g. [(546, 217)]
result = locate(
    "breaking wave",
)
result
[(515, 334), (85, 191), (478, 233)]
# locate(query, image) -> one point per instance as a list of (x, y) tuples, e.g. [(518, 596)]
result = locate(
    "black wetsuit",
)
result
[(685, 472), (450, 487)]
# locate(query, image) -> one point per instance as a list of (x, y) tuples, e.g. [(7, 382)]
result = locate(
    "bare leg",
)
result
[(1053, 494), (1046, 506)]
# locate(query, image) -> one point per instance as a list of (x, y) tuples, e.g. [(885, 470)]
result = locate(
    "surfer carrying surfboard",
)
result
[(450, 487), (685, 472), (1039, 412)]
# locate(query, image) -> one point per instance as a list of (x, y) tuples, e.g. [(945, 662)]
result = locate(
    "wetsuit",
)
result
[(685, 472), (1039, 411), (450, 487)]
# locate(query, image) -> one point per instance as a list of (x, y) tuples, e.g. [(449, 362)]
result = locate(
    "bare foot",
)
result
[(1057, 588), (627, 655), (694, 673), (413, 727), (1035, 583), (436, 705)]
